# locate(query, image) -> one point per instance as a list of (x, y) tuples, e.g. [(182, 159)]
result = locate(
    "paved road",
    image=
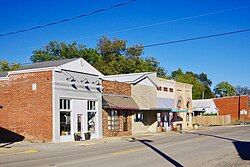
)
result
[(220, 146)]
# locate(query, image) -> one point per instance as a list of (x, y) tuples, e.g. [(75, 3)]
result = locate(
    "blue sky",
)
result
[(224, 58)]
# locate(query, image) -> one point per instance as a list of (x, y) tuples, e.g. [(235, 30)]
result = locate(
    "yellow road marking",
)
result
[(126, 151), (30, 151)]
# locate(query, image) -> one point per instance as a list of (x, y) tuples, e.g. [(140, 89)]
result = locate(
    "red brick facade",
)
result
[(121, 131), (116, 88), (230, 106), (25, 111)]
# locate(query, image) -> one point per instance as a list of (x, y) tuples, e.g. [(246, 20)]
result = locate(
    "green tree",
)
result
[(190, 78), (224, 89), (242, 90), (204, 79), (111, 56), (6, 66)]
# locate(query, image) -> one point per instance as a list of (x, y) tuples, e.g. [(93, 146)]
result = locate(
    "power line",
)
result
[(68, 19), (189, 39), (165, 22), (197, 38)]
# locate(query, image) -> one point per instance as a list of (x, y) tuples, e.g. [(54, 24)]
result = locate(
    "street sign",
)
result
[(243, 112)]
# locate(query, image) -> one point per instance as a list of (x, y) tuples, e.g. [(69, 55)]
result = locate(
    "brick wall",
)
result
[(120, 132), (117, 88), (25, 111), (230, 105)]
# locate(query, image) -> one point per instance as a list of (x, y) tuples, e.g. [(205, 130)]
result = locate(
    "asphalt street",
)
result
[(217, 146)]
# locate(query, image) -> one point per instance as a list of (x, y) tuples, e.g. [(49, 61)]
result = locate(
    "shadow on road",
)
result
[(242, 147), (8, 137), (166, 157)]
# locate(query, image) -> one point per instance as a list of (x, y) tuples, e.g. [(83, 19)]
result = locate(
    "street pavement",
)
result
[(216, 146)]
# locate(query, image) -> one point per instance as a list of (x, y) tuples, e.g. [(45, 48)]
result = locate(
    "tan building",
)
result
[(177, 97), (144, 93), (183, 103)]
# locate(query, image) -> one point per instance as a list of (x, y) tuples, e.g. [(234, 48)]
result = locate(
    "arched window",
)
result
[(188, 105), (179, 104)]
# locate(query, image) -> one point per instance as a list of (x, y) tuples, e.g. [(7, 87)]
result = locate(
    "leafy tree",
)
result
[(111, 56), (6, 66), (208, 92), (190, 78), (204, 79), (242, 90), (57, 51), (224, 89)]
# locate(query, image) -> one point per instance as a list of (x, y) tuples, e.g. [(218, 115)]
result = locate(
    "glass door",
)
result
[(79, 123)]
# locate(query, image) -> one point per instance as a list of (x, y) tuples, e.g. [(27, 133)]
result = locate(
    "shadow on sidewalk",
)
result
[(166, 157), (8, 137), (242, 147)]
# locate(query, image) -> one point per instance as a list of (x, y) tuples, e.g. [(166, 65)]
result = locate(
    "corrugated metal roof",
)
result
[(165, 103), (3, 74), (118, 102), (47, 64)]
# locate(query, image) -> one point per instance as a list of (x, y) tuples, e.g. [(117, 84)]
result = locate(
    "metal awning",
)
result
[(165, 103), (176, 110), (111, 101), (160, 109)]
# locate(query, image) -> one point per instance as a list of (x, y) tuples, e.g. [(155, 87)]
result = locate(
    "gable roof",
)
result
[(75, 64), (203, 103), (47, 64), (118, 102), (133, 78)]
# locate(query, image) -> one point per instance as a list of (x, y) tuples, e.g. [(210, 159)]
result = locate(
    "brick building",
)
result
[(118, 109), (232, 106), (51, 101)]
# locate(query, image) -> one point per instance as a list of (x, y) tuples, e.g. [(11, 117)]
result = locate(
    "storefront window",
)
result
[(138, 117), (92, 122), (113, 120), (65, 117)]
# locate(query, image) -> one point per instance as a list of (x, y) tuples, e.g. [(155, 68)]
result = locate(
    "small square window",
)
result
[(159, 88), (171, 90), (165, 89)]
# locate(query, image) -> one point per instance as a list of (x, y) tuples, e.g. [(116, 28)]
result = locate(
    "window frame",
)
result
[(89, 106), (165, 89), (136, 119), (65, 109), (159, 88), (113, 121)]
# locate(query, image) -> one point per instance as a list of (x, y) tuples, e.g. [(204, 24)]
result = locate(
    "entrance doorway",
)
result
[(79, 123), (125, 121)]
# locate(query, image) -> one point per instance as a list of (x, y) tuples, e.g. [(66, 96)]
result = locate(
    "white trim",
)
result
[(4, 78), (53, 107), (121, 75), (31, 70)]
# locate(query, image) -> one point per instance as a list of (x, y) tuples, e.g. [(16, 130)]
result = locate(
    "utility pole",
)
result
[(239, 108)]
